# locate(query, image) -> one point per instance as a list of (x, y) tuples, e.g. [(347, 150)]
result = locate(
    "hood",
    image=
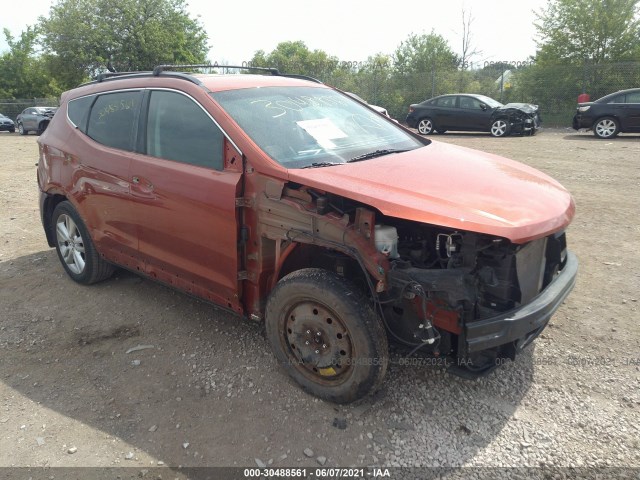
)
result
[(454, 187), (525, 107)]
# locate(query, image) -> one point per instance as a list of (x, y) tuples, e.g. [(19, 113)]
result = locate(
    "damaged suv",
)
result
[(288, 202)]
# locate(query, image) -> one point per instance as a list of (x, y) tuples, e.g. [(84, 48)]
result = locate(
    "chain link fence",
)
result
[(12, 107), (555, 88)]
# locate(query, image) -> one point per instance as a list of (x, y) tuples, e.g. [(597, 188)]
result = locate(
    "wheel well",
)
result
[(50, 203), (313, 256), (43, 124)]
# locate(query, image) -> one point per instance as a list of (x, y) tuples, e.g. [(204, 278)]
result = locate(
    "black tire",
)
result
[(41, 128), (500, 127), (425, 126), (325, 334), (606, 127), (75, 248), (21, 130)]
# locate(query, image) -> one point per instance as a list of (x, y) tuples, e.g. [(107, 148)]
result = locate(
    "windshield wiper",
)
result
[(321, 164), (377, 153)]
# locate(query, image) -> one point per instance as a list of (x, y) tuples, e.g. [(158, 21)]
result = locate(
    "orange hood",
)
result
[(454, 187)]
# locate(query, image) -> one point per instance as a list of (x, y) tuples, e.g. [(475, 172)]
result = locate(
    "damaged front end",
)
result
[(523, 118), (473, 298)]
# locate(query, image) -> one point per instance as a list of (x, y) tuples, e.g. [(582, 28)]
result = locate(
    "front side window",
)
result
[(113, 118), (179, 129), (470, 103), (307, 126)]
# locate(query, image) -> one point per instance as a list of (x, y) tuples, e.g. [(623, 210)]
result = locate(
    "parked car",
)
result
[(290, 203), (34, 119), (473, 113), (6, 124), (610, 115), (378, 109)]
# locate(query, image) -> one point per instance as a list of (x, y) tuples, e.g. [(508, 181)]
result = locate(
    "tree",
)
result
[(90, 36), (23, 74), (588, 31), (295, 57)]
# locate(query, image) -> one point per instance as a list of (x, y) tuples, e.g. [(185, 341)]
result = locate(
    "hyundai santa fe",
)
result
[(289, 203)]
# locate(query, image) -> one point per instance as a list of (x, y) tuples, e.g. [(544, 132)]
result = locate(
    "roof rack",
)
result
[(273, 71), (167, 70)]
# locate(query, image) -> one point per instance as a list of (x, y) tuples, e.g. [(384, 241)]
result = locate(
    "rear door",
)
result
[(183, 198), (446, 112)]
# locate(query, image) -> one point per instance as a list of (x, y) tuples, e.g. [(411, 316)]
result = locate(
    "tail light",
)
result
[(410, 109)]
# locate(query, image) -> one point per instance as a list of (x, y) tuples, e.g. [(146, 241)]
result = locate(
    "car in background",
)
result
[(35, 119), (6, 124), (473, 113), (378, 109), (610, 115)]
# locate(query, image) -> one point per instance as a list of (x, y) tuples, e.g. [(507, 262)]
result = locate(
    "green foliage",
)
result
[(90, 36), (588, 31), (22, 73)]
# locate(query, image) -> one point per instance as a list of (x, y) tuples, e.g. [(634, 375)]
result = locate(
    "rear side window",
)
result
[(448, 102), (113, 118), (78, 111), (179, 129)]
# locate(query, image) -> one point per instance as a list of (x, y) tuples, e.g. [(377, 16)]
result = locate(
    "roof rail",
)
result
[(273, 71), (168, 70)]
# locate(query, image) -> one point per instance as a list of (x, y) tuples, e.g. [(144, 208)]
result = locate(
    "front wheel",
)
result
[(425, 126), (75, 248), (606, 127), (21, 129), (327, 337), (500, 128)]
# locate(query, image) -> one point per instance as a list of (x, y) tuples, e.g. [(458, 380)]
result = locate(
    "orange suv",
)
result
[(290, 203)]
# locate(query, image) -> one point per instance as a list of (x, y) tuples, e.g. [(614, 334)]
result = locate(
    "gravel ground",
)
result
[(208, 392)]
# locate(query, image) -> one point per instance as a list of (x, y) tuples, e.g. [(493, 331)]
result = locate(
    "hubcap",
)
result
[(499, 128), (319, 343), (70, 243), (606, 128)]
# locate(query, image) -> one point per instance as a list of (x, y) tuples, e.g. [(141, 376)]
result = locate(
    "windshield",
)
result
[(489, 101), (308, 126)]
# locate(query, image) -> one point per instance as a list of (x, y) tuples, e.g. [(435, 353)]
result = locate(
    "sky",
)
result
[(351, 30)]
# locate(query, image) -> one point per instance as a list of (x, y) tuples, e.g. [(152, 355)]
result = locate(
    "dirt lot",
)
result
[(209, 392)]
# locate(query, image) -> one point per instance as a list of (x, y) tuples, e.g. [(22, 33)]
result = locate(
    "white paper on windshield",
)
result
[(323, 131)]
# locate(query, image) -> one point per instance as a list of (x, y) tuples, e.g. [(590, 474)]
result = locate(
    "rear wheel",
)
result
[(500, 128), (606, 127), (75, 248), (325, 334), (425, 126)]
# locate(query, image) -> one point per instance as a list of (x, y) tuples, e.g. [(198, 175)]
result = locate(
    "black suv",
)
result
[(35, 119), (615, 113)]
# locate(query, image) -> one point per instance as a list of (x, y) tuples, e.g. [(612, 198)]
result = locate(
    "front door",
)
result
[(184, 199)]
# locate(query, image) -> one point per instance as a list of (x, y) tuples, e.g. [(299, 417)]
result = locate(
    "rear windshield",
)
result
[(301, 126)]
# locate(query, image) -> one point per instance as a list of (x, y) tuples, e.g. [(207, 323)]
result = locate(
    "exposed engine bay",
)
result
[(440, 281)]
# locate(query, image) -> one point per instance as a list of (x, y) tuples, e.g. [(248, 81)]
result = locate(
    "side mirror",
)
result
[(483, 107)]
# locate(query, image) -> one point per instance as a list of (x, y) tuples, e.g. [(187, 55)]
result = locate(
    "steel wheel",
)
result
[(318, 342), (606, 128), (325, 334), (499, 128), (425, 126)]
